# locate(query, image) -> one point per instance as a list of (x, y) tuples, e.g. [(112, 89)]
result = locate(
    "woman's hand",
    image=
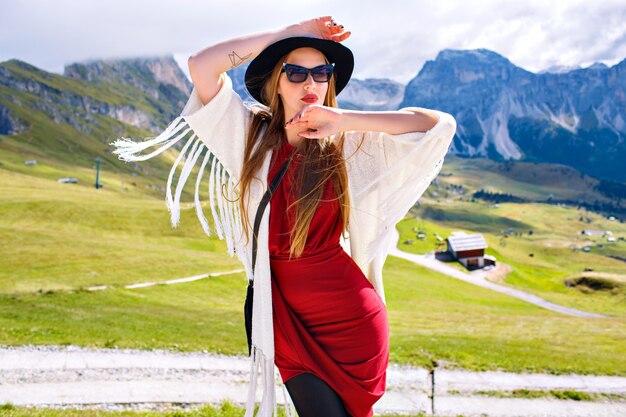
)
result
[(323, 27), (316, 121)]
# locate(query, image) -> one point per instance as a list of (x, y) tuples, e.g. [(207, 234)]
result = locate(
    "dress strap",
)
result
[(259, 213)]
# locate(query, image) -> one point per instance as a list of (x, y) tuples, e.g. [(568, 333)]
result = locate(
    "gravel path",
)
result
[(477, 277), (114, 378)]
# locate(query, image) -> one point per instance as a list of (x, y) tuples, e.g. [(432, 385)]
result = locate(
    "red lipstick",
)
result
[(310, 98)]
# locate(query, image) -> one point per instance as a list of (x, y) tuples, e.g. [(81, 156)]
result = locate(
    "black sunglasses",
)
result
[(298, 74)]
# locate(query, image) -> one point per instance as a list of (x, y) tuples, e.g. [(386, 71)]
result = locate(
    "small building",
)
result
[(31, 162), (469, 250), (68, 180), (591, 232)]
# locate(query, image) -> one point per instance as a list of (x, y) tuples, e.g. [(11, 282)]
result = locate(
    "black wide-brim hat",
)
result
[(261, 67)]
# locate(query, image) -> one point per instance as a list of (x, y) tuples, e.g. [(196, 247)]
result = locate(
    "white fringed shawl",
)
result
[(386, 177)]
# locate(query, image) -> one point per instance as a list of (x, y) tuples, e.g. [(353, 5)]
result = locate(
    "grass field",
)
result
[(432, 317), (542, 261), (58, 239), (63, 236)]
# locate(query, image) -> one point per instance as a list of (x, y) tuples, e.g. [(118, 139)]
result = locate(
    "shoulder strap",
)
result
[(259, 213)]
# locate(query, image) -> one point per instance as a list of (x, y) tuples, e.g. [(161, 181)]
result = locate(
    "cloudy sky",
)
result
[(390, 38)]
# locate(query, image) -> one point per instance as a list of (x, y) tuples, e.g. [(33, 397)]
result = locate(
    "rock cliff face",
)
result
[(576, 117), (372, 94), (160, 79), (144, 93), (9, 124), (150, 75)]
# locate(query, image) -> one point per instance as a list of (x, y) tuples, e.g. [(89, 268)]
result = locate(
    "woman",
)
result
[(319, 311)]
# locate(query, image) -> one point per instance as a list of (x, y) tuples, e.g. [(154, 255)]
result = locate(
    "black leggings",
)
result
[(312, 397)]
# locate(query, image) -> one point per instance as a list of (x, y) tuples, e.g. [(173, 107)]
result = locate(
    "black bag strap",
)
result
[(259, 213)]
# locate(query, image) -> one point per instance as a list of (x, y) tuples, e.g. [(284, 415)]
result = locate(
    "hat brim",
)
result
[(261, 67)]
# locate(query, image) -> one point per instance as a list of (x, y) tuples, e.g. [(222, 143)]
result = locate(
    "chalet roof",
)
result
[(467, 242)]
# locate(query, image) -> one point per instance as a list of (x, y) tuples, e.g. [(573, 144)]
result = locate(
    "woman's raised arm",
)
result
[(205, 66)]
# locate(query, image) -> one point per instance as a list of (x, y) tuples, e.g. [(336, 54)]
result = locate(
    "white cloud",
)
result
[(390, 39)]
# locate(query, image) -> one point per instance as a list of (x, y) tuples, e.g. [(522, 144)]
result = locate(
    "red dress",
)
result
[(328, 319)]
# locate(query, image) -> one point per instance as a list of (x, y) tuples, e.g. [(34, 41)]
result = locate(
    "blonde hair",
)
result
[(321, 160)]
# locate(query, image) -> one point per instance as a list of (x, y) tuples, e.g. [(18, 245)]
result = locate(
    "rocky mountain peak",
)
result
[(139, 72)]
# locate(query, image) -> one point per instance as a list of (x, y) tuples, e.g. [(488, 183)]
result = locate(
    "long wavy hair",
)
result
[(321, 161)]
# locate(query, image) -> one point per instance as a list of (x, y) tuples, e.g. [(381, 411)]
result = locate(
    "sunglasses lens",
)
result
[(322, 75), (298, 74)]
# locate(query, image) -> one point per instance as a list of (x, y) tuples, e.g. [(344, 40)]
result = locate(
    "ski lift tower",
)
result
[(98, 185)]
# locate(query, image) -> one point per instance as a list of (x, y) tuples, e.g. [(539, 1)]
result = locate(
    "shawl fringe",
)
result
[(227, 222), (263, 367), (223, 191)]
